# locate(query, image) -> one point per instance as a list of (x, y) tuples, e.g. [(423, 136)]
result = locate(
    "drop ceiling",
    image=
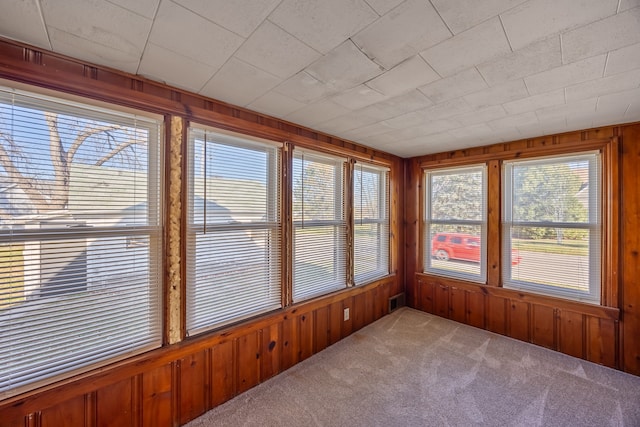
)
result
[(408, 77)]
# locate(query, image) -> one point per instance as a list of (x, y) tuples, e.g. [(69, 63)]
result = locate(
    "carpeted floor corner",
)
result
[(415, 369)]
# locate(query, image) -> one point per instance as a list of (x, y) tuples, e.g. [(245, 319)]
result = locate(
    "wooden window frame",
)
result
[(610, 205)]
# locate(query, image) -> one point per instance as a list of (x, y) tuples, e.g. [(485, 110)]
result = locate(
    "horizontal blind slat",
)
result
[(79, 245)]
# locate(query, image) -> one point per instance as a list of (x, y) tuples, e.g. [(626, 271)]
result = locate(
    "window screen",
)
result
[(552, 226), (234, 231), (319, 225), (79, 238)]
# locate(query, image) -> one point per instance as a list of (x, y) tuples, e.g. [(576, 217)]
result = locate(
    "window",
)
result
[(78, 186), (234, 229), (371, 223), (456, 223), (552, 226), (319, 225)]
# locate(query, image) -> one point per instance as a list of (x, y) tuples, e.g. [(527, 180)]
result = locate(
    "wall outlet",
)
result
[(346, 314)]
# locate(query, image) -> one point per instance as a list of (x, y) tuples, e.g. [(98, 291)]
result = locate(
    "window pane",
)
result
[(79, 238), (319, 240), (455, 223), (319, 256), (234, 230), (557, 191), (371, 218), (233, 276), (317, 188), (557, 257), (458, 251), (457, 195), (552, 223), (371, 251)]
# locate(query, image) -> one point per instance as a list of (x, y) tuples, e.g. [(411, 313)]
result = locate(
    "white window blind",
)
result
[(234, 232), (319, 225), (371, 222), (455, 241), (79, 238), (552, 222)]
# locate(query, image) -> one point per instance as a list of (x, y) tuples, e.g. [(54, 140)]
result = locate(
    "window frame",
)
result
[(339, 223), (274, 225), (383, 255), (56, 231), (427, 222), (593, 225)]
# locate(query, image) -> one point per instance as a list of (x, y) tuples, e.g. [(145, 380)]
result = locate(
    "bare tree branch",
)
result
[(60, 191), (117, 149), (26, 184), (84, 135)]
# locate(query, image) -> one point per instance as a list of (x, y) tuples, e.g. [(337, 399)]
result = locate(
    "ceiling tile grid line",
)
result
[(405, 76)]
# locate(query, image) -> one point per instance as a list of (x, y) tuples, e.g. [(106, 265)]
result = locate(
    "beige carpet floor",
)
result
[(414, 369)]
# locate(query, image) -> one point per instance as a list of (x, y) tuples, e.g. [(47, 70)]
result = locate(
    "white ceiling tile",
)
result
[(317, 112), (370, 130), (621, 60), (454, 107), (547, 99), (482, 115), (146, 8), (463, 83), (169, 67), (433, 140), (196, 37), (405, 121), (612, 84), (410, 101), (405, 76), (276, 51), (584, 106), (436, 126), (538, 19), (627, 4), (599, 37), (577, 72), (481, 131), (523, 119), (461, 15), (467, 49), (383, 6), (622, 100), (275, 104), (239, 83), (22, 21), (303, 88), (240, 16), (534, 58), (100, 22), (316, 22), (530, 130), (403, 32), (358, 97), (614, 105), (344, 67), (506, 92), (76, 47), (345, 122)]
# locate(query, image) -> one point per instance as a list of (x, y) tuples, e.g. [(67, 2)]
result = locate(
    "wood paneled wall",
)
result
[(175, 384), (609, 335)]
